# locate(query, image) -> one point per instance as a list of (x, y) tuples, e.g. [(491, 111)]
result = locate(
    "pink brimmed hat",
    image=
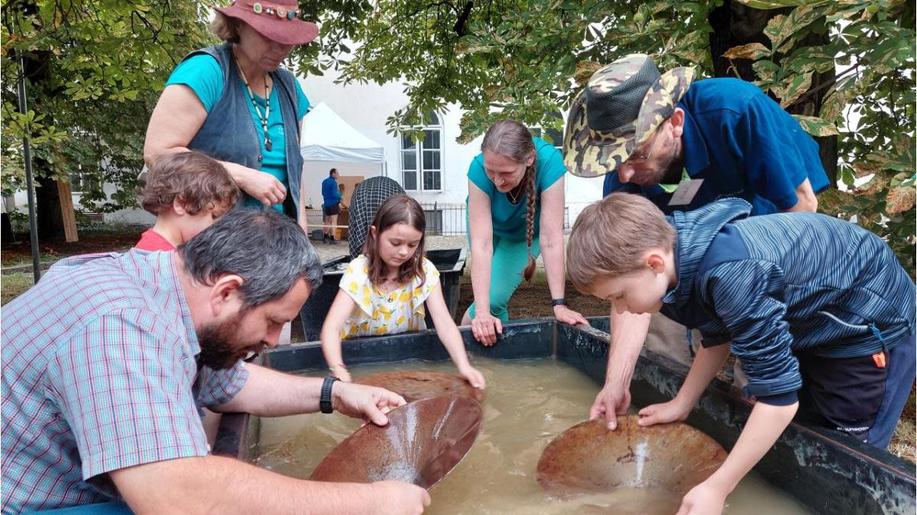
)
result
[(277, 20)]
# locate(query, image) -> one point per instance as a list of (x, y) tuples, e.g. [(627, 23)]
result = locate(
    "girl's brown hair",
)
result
[(193, 178), (397, 209), (512, 139)]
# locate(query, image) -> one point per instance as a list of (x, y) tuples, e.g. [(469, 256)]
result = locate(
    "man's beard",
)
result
[(672, 174), (218, 348)]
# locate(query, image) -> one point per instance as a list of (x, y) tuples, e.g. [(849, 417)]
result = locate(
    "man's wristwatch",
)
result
[(324, 400), (559, 302)]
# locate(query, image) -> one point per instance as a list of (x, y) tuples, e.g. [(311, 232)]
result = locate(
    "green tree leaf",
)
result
[(753, 51), (774, 4), (793, 89), (816, 126)]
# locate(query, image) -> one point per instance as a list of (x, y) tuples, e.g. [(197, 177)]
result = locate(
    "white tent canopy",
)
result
[(327, 137)]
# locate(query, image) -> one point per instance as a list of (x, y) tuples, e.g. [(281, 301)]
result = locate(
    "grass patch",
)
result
[(14, 285), (44, 258)]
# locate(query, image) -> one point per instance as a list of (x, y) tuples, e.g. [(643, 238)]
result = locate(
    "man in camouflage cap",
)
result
[(682, 144), (648, 132)]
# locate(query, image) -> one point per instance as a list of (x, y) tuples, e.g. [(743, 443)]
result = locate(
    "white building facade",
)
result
[(433, 171)]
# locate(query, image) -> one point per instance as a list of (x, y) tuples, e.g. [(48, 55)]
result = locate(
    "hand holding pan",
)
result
[(589, 458), (421, 443), (416, 385)]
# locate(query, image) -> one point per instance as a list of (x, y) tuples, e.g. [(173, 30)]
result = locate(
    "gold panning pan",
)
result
[(416, 385), (589, 458), (421, 443)]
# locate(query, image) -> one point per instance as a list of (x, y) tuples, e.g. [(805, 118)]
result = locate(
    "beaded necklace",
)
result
[(263, 115)]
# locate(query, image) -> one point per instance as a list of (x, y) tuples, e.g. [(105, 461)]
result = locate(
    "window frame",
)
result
[(418, 151)]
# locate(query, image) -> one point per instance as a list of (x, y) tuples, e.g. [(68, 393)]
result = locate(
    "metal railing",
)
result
[(445, 219), (452, 219)]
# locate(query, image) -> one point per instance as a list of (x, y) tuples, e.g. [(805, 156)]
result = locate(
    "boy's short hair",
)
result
[(196, 180), (611, 236)]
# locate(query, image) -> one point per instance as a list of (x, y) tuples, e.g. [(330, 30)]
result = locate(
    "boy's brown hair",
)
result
[(397, 209), (611, 236), (196, 180)]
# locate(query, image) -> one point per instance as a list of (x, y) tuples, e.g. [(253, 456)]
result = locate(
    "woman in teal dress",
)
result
[(515, 213)]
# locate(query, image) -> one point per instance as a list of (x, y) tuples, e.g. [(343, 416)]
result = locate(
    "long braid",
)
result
[(530, 220)]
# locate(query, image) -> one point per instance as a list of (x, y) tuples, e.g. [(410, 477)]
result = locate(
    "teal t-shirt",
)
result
[(509, 219), (202, 73)]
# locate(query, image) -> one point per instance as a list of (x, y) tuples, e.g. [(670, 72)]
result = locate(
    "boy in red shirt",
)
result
[(187, 191)]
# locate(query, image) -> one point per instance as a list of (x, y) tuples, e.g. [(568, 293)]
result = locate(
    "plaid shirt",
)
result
[(99, 374)]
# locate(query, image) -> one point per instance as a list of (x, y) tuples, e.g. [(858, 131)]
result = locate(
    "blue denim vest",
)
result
[(229, 133)]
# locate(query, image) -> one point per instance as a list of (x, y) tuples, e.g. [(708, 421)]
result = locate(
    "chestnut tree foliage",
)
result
[(845, 68)]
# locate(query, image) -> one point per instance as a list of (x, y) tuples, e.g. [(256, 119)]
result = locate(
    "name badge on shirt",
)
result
[(685, 192)]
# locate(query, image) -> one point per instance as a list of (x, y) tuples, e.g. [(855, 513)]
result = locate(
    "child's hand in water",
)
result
[(704, 499), (475, 378), (674, 410)]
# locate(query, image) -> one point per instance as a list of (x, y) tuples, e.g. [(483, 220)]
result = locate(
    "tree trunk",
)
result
[(736, 24), (38, 64), (6, 229), (50, 221)]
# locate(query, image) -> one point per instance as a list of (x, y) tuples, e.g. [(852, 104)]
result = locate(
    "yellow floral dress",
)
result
[(377, 313)]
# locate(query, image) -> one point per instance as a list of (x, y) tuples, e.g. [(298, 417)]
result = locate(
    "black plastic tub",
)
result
[(827, 472), (449, 262), (444, 259)]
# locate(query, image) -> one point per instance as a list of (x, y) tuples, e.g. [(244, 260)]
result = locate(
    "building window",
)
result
[(78, 182), (421, 161)]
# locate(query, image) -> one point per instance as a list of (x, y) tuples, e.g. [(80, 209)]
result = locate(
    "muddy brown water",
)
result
[(529, 402)]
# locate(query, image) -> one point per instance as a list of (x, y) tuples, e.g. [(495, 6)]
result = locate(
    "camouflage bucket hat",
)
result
[(621, 106)]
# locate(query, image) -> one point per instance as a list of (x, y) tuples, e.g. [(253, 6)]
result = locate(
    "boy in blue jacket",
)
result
[(818, 309)]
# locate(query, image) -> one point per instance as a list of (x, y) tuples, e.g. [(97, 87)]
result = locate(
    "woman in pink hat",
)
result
[(234, 102)]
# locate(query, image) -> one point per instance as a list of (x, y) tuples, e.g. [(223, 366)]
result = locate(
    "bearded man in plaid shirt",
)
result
[(107, 360)]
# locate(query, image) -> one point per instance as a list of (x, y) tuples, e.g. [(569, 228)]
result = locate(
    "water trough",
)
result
[(827, 472)]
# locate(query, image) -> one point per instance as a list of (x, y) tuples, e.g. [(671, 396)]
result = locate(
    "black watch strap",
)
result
[(324, 400), (559, 302)]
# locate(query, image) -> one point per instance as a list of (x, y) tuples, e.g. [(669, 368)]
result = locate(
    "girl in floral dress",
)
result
[(387, 288)]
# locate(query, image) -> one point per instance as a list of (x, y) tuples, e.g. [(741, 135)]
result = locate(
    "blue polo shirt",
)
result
[(331, 195), (743, 144)]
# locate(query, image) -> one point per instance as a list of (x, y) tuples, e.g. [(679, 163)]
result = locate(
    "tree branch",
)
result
[(459, 26)]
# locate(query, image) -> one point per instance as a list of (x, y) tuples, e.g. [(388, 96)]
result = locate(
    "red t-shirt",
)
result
[(152, 240)]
